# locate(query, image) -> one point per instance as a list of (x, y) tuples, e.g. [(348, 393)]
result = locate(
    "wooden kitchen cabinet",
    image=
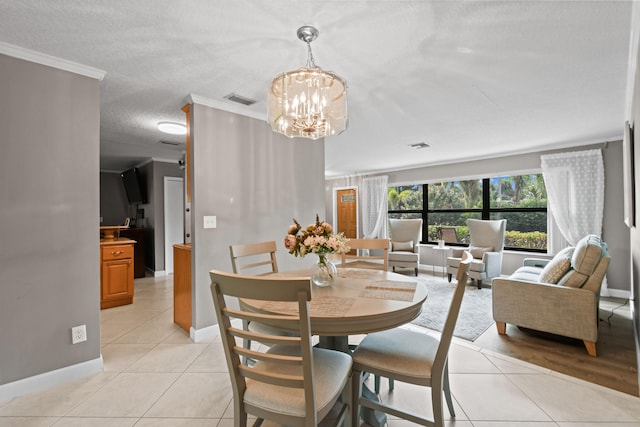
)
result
[(182, 286), (116, 272)]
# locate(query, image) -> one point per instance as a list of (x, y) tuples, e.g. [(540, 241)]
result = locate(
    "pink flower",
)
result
[(290, 241), (317, 238)]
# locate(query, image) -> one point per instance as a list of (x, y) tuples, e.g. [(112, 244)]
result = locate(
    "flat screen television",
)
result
[(132, 185)]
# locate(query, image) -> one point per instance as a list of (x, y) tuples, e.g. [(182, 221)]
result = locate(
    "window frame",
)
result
[(485, 212)]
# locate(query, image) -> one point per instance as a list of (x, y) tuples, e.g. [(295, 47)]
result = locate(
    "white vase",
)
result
[(323, 271)]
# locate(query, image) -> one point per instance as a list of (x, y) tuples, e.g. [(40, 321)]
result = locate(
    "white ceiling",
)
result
[(471, 78)]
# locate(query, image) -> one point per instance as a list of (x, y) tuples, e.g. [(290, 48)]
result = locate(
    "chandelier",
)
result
[(308, 102)]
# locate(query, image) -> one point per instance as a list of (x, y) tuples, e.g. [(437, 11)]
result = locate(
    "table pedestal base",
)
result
[(340, 343)]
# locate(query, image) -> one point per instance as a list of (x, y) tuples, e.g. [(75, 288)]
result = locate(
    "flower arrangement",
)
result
[(317, 238)]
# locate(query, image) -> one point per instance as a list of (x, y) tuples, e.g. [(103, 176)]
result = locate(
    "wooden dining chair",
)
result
[(292, 383), (252, 258), (411, 357), (370, 253)]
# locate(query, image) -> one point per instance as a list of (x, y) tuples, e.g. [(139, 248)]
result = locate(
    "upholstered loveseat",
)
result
[(558, 296)]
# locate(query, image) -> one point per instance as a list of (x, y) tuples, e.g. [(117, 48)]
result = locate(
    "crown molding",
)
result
[(51, 61), (229, 106)]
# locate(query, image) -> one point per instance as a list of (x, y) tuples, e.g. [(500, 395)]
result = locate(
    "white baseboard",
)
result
[(49, 379), (605, 291), (199, 335), (614, 293), (159, 273)]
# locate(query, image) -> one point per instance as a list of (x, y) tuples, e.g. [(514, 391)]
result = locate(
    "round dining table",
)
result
[(358, 302)]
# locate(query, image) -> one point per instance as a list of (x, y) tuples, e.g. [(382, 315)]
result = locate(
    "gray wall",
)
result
[(634, 119), (614, 231), (49, 218), (254, 181)]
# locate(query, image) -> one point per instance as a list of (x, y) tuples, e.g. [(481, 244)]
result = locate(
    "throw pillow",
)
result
[(402, 246), (478, 251), (557, 267), (573, 279)]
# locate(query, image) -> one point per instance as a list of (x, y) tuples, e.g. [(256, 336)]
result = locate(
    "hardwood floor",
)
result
[(615, 366)]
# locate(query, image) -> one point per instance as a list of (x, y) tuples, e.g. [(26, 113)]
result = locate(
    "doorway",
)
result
[(347, 212), (173, 218)]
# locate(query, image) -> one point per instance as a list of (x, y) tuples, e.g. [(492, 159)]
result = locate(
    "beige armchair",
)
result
[(405, 237), (486, 246), (558, 296)]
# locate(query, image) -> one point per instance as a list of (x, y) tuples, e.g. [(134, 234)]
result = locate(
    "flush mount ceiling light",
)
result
[(172, 128), (308, 102)]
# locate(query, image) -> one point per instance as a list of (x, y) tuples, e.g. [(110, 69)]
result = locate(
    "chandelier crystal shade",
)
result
[(308, 102)]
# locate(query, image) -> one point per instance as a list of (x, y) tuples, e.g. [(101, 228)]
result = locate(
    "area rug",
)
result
[(475, 312)]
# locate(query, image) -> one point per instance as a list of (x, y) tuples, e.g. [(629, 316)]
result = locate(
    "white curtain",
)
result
[(555, 240), (575, 193), (374, 207)]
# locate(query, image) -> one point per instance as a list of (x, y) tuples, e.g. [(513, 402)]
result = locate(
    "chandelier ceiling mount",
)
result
[(307, 34)]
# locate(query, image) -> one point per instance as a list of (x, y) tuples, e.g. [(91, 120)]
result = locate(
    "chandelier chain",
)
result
[(310, 62)]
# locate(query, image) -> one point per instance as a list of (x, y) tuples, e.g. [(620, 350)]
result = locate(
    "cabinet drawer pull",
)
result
[(116, 253)]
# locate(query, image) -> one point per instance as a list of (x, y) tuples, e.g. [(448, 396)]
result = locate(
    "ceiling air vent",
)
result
[(171, 143), (240, 99), (419, 145)]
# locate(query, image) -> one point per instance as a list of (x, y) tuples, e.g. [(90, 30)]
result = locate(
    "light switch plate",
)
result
[(209, 221)]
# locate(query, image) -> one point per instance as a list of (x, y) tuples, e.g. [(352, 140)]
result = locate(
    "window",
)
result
[(446, 206), (406, 202)]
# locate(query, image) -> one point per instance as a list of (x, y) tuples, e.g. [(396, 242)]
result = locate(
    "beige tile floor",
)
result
[(155, 376)]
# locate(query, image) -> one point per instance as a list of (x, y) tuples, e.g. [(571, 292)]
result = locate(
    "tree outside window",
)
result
[(446, 206)]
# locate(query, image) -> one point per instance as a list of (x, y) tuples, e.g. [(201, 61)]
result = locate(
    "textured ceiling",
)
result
[(473, 79)]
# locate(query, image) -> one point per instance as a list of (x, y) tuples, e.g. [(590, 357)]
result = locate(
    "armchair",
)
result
[(486, 246), (559, 296), (405, 237)]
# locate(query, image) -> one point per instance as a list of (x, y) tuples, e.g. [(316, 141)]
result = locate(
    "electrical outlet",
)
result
[(78, 334)]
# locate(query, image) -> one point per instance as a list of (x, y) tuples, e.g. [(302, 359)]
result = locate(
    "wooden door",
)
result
[(173, 218), (347, 217)]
